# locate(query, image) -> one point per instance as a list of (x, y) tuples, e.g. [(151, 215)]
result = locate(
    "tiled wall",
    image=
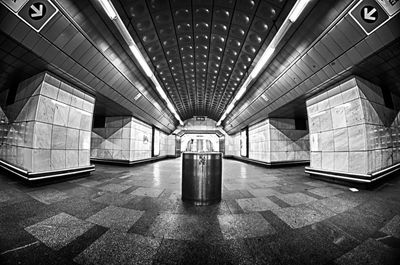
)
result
[(277, 140), (123, 138), (167, 144), (232, 145), (351, 129), (48, 126)]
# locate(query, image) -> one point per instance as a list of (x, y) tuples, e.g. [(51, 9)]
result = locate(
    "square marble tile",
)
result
[(112, 198), (116, 247), (296, 198), (150, 192), (114, 187), (326, 191), (392, 227), (90, 183), (370, 252), (48, 196), (257, 204), (337, 205), (59, 230), (236, 226), (263, 192), (116, 217), (5, 195), (299, 216), (185, 227)]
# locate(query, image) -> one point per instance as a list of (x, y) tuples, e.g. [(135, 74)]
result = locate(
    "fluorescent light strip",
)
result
[(287, 23), (113, 15)]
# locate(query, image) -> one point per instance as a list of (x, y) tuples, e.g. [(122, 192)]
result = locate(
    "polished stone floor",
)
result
[(134, 215)]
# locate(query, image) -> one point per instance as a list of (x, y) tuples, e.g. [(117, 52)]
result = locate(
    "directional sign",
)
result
[(390, 6), (369, 15), (36, 13), (14, 5)]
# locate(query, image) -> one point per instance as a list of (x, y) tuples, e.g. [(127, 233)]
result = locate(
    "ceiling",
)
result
[(326, 47), (202, 50)]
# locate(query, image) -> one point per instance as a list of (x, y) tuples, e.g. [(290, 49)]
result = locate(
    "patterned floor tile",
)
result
[(326, 191), (295, 198), (392, 227), (263, 192), (369, 252), (234, 226), (59, 230), (185, 227), (112, 198), (150, 192), (48, 196), (337, 205), (257, 204), (299, 216), (116, 247), (114, 187), (116, 218)]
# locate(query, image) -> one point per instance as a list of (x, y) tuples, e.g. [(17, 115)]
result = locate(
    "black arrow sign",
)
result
[(37, 11)]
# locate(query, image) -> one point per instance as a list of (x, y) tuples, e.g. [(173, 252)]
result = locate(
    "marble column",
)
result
[(46, 129), (278, 141), (354, 131), (127, 140)]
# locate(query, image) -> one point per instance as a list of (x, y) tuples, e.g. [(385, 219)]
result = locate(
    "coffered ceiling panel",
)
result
[(201, 51)]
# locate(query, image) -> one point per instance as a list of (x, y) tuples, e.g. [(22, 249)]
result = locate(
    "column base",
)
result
[(130, 162), (32, 176), (286, 163), (353, 177)]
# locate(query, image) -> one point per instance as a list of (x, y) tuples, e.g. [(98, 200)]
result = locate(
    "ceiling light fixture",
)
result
[(108, 7), (113, 15), (294, 14), (297, 10)]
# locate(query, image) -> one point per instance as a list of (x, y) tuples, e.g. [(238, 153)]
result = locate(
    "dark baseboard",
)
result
[(362, 180), (121, 162), (290, 163), (31, 176)]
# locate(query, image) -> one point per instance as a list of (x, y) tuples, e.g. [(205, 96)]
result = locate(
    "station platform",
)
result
[(120, 215)]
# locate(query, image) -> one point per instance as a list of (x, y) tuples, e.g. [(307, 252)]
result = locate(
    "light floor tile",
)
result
[(116, 217), (247, 225), (116, 247), (299, 216), (326, 191), (114, 187), (256, 204), (150, 192), (263, 192), (48, 196), (392, 227), (59, 230), (296, 198)]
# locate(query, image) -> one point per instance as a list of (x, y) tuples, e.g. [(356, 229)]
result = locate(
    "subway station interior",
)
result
[(199, 132)]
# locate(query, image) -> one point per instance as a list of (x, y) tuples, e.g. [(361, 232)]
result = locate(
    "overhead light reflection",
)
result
[(290, 19), (113, 15)]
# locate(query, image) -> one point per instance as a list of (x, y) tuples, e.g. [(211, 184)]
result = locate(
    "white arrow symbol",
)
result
[(368, 14), (38, 12)]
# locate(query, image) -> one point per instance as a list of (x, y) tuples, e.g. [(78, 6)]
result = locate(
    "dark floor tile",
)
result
[(142, 225), (34, 254), (82, 242), (233, 206), (79, 207)]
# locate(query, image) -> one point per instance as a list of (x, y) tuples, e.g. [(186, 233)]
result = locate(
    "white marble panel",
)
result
[(57, 160), (59, 137), (42, 135), (72, 138)]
